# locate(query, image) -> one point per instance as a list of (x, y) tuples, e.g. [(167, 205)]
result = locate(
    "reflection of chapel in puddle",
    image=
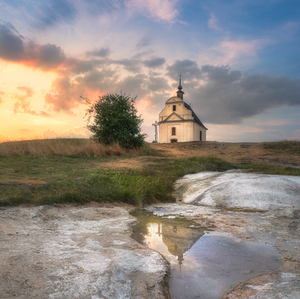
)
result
[(177, 234), (177, 238)]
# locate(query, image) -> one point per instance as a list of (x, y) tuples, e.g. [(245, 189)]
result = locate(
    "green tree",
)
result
[(113, 119)]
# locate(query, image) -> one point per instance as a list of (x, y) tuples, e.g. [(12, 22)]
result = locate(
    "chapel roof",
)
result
[(179, 97), (194, 115)]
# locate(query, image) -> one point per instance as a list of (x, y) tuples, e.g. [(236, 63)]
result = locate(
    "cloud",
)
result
[(133, 85), (131, 65), (96, 7), (50, 134), (1, 93), (213, 22), (64, 94), (144, 42), (48, 56), (187, 68), (78, 132), (23, 101), (154, 62), (103, 52), (78, 66), (232, 50), (220, 75), (54, 12), (67, 91), (219, 94), (155, 84), (15, 48), (161, 10), (43, 113), (141, 54), (274, 122), (228, 96), (11, 43)]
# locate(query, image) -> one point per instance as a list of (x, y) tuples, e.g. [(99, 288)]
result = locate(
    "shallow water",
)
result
[(204, 264)]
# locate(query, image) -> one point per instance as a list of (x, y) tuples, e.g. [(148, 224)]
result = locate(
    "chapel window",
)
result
[(173, 131), (174, 107), (200, 135)]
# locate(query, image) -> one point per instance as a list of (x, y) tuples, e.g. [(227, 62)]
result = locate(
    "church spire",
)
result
[(180, 93), (179, 86)]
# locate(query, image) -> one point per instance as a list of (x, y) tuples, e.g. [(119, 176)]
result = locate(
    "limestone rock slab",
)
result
[(234, 189), (76, 252)]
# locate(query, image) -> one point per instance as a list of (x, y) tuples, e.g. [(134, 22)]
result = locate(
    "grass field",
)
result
[(81, 171)]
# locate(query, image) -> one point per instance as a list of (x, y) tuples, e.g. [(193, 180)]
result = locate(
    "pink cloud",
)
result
[(234, 49), (23, 101), (15, 48), (77, 132)]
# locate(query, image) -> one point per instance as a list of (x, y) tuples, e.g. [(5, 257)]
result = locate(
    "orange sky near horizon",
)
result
[(240, 71)]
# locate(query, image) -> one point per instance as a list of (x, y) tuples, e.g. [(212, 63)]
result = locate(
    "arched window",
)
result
[(174, 107), (173, 131)]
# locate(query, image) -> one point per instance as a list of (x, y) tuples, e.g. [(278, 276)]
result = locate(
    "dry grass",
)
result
[(284, 152), (81, 170), (58, 147)]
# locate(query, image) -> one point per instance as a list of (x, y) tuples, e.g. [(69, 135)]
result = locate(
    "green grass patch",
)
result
[(49, 180), (40, 180), (271, 169)]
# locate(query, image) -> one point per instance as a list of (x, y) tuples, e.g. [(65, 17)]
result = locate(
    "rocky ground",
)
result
[(87, 252), (252, 207), (281, 232), (76, 252)]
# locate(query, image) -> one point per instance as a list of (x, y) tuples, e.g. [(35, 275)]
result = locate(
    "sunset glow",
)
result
[(238, 60)]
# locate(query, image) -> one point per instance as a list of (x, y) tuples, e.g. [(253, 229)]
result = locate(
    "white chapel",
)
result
[(178, 122)]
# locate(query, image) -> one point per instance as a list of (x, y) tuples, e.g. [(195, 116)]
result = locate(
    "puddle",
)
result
[(204, 264)]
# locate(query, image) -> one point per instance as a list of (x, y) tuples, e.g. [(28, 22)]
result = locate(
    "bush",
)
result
[(115, 120)]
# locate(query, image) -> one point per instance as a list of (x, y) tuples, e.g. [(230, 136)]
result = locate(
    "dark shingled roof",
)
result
[(196, 118)]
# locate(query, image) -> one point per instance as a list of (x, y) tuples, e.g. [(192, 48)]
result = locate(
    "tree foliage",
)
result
[(113, 119)]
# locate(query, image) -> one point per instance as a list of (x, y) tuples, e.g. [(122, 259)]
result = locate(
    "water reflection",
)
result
[(171, 236), (203, 265)]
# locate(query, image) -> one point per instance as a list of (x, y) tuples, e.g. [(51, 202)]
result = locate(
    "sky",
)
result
[(239, 62)]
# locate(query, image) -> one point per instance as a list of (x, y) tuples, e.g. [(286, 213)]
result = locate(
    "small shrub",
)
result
[(115, 121)]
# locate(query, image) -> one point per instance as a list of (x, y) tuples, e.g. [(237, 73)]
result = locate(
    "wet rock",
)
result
[(133, 275), (279, 284), (269, 228), (233, 189), (76, 252)]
